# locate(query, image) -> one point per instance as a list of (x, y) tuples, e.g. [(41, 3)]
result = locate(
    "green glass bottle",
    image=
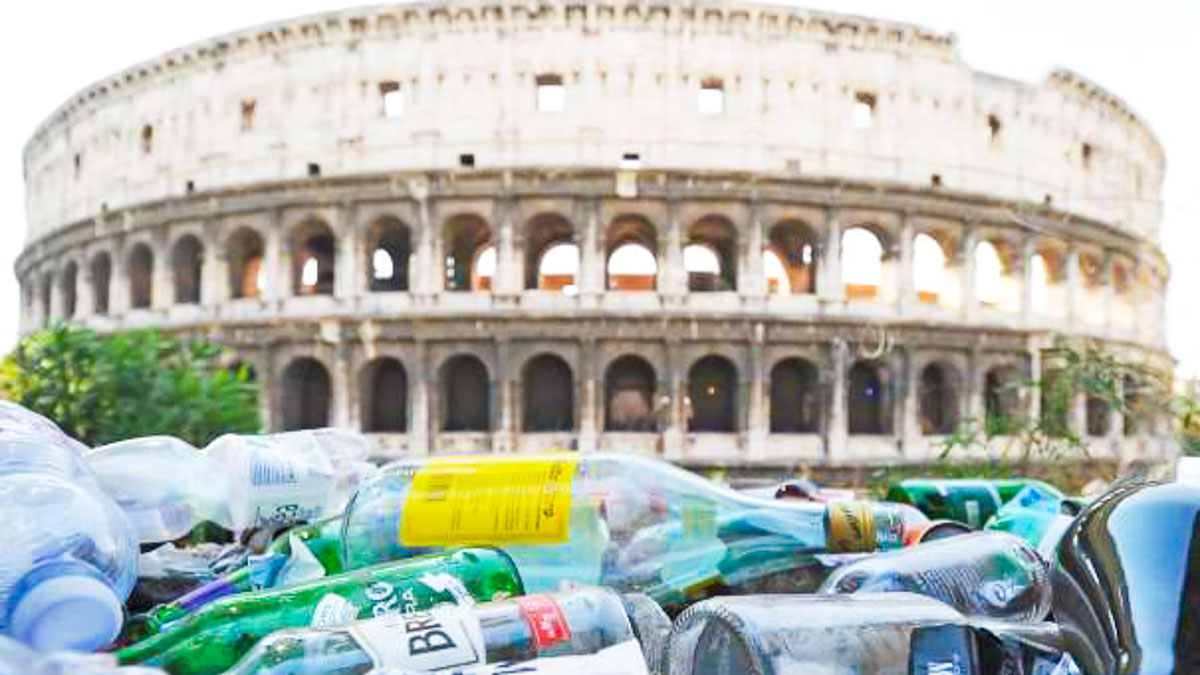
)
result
[(212, 639), (967, 500)]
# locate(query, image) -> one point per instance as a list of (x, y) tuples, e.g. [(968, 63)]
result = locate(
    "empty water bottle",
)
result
[(167, 486), (1037, 515), (18, 659), (69, 557), (982, 574)]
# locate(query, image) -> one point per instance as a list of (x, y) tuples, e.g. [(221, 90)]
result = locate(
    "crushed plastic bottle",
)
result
[(982, 574), (239, 482), (69, 557), (18, 659), (613, 519), (579, 631), (1038, 516)]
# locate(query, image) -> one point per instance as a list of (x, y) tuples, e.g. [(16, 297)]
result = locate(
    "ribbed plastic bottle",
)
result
[(614, 519), (983, 574), (69, 558), (585, 630), (166, 486), (212, 639)]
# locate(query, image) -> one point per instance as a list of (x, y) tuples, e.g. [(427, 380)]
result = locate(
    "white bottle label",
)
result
[(333, 610), (620, 659), (440, 638)]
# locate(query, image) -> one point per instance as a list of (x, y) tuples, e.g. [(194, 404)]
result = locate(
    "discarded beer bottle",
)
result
[(212, 639), (613, 519), (967, 500), (561, 632), (982, 574)]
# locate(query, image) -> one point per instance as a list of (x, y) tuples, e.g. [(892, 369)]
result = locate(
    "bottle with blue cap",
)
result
[(69, 557)]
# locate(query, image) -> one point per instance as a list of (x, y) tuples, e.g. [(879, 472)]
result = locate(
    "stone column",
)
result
[(910, 427), (277, 263), (836, 431), (675, 431), (589, 387), (343, 383), (758, 422), (214, 269), (504, 395), (1106, 277), (84, 289), (349, 257), (672, 277), (421, 417), (118, 282), (829, 272), (1073, 288), (509, 279), (57, 301), (1033, 400), (752, 278), (908, 294), (970, 299), (591, 255), (973, 399), (162, 278), (1028, 250)]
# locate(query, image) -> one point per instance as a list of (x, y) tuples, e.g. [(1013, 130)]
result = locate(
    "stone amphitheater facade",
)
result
[(321, 193)]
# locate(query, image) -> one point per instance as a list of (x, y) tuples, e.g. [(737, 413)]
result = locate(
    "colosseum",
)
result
[(727, 234)]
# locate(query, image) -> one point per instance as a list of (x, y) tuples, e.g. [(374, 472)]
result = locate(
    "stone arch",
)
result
[(245, 255), (795, 245), (712, 395), (314, 251), (929, 268), (389, 249), (629, 387), (187, 267), (1002, 397), (795, 397), (548, 394), (70, 285), (1099, 416), (101, 269), (466, 394), (466, 238), (543, 233), (863, 252), (938, 395), (630, 247), (868, 409), (713, 236), (1134, 406), (306, 394), (992, 267), (383, 387), (140, 265), (46, 289)]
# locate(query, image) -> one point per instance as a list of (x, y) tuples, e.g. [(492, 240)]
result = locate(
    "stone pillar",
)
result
[(277, 263), (1106, 277), (1028, 250), (425, 273), (908, 294), (118, 291), (591, 255), (421, 417), (57, 301), (672, 277), (970, 299), (349, 277), (588, 396), (509, 279), (836, 430), (1033, 400), (343, 384), (752, 278), (973, 384), (910, 426), (674, 433), (162, 277), (85, 293), (829, 272), (503, 392), (758, 415), (1073, 288)]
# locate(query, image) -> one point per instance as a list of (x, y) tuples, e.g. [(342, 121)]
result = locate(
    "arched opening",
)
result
[(389, 250), (384, 396), (548, 394), (929, 269), (470, 261), (101, 281), (187, 263), (1099, 416), (629, 395), (793, 248), (1134, 406), (70, 277), (1002, 399), (631, 256), (465, 395), (1039, 279), (712, 392), (795, 397), (141, 276), (46, 288), (862, 263), (868, 404), (551, 257), (989, 274), (709, 257), (305, 393), (939, 399), (313, 252), (244, 253)]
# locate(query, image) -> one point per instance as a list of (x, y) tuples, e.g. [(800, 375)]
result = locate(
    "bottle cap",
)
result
[(65, 605)]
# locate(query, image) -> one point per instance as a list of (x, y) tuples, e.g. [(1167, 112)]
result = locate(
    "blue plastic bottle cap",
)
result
[(72, 611)]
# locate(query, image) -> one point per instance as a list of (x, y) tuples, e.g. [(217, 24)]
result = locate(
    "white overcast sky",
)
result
[(1145, 52)]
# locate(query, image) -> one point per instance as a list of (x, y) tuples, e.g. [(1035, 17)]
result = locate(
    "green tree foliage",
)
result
[(106, 388)]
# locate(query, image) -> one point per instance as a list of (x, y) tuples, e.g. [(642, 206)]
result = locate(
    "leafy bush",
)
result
[(106, 388)]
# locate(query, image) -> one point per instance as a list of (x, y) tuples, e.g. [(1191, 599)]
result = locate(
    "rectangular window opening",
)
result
[(248, 105), (314, 170), (147, 139), (467, 160), (711, 96), (393, 99), (551, 94), (994, 127), (864, 109), (631, 161), (1086, 152), (935, 180), (191, 186)]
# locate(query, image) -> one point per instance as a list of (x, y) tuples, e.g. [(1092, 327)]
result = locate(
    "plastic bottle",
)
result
[(969, 501), (1036, 515), (18, 659), (612, 519), (69, 558), (982, 574), (17, 421), (562, 632), (212, 639), (167, 486)]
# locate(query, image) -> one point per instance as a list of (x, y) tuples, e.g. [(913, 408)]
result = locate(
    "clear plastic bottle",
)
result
[(167, 486), (579, 631), (982, 574), (1038, 516), (18, 659), (69, 557), (614, 519)]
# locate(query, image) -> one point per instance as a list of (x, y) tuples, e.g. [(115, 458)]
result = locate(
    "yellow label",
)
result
[(849, 527), (501, 500)]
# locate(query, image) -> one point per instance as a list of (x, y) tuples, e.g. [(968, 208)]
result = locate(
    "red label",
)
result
[(545, 619)]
